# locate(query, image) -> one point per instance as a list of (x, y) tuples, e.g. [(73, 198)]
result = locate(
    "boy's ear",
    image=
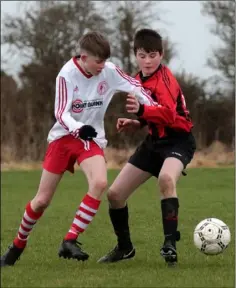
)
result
[(83, 57)]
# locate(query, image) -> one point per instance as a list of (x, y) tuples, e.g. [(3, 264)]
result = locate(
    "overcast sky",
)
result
[(187, 28)]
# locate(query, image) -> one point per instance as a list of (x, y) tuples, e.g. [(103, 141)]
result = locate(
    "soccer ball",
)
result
[(212, 236)]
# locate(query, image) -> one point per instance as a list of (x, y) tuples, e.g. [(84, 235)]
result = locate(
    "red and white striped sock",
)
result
[(84, 215), (28, 221)]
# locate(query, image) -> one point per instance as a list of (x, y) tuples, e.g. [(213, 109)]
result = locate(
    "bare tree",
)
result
[(223, 58), (125, 18)]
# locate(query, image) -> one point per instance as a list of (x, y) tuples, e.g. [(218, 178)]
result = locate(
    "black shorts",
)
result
[(151, 153)]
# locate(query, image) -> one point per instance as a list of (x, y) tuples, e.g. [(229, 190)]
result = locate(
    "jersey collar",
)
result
[(80, 68), (145, 78)]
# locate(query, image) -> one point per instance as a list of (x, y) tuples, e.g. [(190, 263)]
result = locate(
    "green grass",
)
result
[(203, 193)]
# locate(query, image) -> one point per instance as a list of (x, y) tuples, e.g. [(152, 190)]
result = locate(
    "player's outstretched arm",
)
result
[(125, 83)]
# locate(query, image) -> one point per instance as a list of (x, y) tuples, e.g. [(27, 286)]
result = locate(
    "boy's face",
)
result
[(148, 62), (92, 64)]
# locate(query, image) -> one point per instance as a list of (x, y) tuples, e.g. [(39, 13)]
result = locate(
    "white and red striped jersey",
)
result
[(82, 99)]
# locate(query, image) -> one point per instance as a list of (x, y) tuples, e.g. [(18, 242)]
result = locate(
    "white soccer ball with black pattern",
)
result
[(212, 236)]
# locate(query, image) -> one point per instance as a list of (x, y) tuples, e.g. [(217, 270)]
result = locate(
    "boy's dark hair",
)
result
[(95, 44), (148, 40)]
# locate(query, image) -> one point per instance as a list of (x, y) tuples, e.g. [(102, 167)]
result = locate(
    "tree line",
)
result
[(47, 36)]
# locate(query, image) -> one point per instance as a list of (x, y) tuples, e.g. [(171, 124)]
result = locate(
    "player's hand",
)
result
[(87, 133), (132, 105), (125, 124)]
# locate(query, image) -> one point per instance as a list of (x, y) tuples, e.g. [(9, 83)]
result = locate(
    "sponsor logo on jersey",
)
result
[(102, 88), (78, 105)]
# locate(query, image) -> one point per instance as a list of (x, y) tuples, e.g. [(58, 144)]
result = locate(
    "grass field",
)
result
[(203, 193)]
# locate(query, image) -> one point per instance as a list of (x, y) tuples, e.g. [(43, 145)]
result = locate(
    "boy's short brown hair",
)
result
[(96, 44), (148, 40)]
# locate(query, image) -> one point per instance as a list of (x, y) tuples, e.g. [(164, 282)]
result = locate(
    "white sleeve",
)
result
[(63, 106), (125, 83)]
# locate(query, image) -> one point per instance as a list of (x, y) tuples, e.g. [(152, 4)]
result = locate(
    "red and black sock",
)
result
[(169, 208)]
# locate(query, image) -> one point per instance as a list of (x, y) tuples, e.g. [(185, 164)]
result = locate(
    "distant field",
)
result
[(203, 193)]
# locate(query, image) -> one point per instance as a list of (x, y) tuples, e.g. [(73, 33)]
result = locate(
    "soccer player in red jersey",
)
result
[(164, 154), (84, 88)]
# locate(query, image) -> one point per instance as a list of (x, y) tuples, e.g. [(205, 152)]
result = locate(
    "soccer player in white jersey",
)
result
[(84, 88)]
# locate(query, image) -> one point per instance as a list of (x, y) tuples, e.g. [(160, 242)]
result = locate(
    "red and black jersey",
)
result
[(170, 113)]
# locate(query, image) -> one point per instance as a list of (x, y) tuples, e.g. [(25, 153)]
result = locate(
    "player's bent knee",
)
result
[(111, 195), (115, 198), (40, 203), (100, 185), (166, 184)]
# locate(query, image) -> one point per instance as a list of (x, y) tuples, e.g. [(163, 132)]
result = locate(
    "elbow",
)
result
[(59, 118), (56, 116)]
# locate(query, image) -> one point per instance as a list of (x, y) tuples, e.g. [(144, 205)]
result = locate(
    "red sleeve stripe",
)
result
[(166, 80), (135, 83), (166, 77), (130, 79), (62, 102)]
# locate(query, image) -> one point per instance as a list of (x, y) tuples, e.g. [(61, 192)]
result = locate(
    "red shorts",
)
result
[(62, 153)]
